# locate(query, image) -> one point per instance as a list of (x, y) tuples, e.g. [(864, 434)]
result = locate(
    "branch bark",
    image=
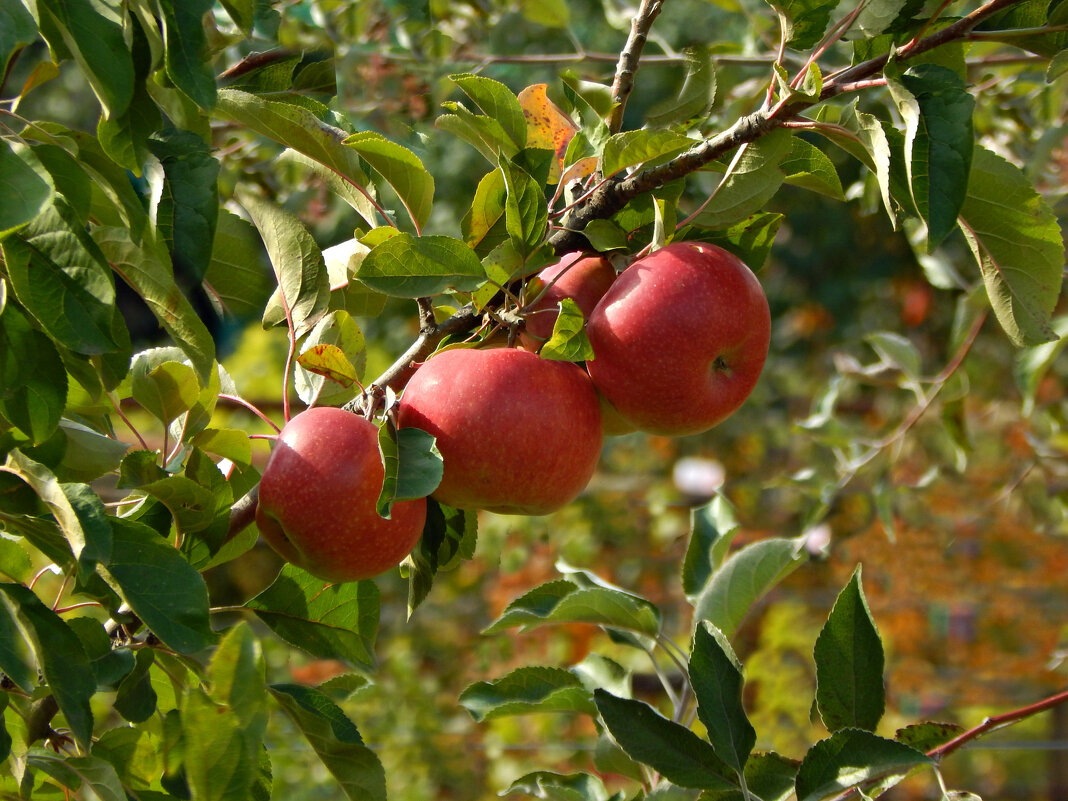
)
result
[(617, 191), (629, 58)]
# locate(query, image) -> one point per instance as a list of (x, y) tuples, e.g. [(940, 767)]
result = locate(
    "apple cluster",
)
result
[(679, 340)]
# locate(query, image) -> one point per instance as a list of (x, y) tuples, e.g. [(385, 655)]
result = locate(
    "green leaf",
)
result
[(1018, 244), (483, 133), (93, 35), (487, 211), (33, 381), (809, 167), (238, 678), (85, 549), (560, 786), (17, 28), (401, 169), (1029, 15), (803, 21), (563, 601), (186, 49), (527, 690), (124, 137), (744, 578), (355, 194), (88, 455), (694, 100), (849, 664), (161, 587), (751, 239), (668, 747), (339, 330), (26, 193), (135, 698), (925, 736), (635, 148), (295, 127), (851, 758), (74, 773), (407, 266), (147, 268), (712, 530), (336, 621), (188, 207), (16, 654), (897, 352), (165, 389), (525, 209), (304, 288), (221, 758), (937, 109), (568, 342), (498, 103), (229, 443), (550, 13), (755, 179), (63, 280), (768, 776), (449, 537), (716, 677), (134, 753), (60, 656), (238, 274), (336, 741)]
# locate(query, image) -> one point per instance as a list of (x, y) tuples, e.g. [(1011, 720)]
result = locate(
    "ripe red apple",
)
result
[(584, 280), (518, 434), (318, 496), (680, 338)]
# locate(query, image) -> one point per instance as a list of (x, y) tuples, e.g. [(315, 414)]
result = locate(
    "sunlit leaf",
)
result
[(546, 125), (716, 676), (527, 690), (850, 758), (744, 578), (337, 621), (1018, 244), (410, 267), (401, 169), (849, 664)]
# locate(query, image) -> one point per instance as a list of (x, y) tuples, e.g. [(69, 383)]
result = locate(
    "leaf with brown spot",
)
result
[(547, 126)]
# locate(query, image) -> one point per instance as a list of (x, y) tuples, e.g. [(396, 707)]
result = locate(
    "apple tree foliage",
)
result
[(122, 677)]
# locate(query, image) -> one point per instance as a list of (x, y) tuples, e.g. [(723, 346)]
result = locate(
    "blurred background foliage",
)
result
[(959, 517)]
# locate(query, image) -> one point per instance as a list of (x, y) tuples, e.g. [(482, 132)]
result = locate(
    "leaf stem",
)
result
[(242, 402)]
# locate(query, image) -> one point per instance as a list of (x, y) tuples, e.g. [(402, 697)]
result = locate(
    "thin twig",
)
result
[(614, 194), (629, 57)]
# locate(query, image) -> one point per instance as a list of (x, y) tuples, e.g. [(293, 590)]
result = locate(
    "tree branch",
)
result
[(617, 191), (629, 57), (996, 722)]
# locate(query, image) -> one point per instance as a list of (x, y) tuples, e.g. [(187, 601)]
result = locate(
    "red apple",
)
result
[(584, 280), (518, 434), (318, 496), (680, 339)]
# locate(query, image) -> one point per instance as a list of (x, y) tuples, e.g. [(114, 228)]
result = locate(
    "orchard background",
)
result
[(894, 172)]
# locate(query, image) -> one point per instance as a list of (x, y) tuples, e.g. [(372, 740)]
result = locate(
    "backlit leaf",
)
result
[(756, 177), (335, 739), (568, 342), (498, 103), (547, 126), (304, 288), (564, 601), (1018, 244), (401, 169), (329, 621), (527, 690), (449, 538), (937, 109), (712, 530), (744, 578), (851, 758), (636, 148), (26, 193)]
